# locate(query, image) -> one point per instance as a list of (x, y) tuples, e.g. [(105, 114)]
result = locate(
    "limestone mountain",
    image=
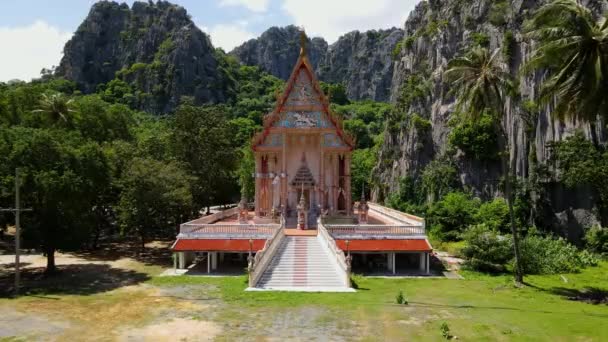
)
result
[(154, 47), (361, 60), (277, 49), (420, 129)]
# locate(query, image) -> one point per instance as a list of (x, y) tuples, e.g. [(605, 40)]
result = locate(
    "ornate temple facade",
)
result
[(304, 232), (302, 152)]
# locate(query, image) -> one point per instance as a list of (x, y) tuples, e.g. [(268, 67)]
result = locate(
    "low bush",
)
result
[(400, 299), (495, 215), (445, 331), (596, 240), (547, 255), (486, 250), (450, 216)]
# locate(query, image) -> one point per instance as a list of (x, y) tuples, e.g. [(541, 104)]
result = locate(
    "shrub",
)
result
[(498, 13), (486, 250), (445, 331), (494, 214), (476, 138), (400, 299), (480, 39), (409, 42), (596, 240), (546, 255), (450, 216), (396, 51), (508, 44)]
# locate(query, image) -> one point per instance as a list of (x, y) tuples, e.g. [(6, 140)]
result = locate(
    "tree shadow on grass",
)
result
[(159, 255), (590, 295), (76, 279), (502, 308)]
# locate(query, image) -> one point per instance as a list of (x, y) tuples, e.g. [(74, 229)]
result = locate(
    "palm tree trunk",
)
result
[(506, 164)]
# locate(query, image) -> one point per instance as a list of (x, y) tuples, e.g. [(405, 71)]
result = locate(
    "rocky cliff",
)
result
[(154, 47), (360, 60), (277, 49), (439, 30)]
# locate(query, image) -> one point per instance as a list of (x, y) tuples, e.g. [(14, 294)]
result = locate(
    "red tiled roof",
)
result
[(228, 245), (414, 245)]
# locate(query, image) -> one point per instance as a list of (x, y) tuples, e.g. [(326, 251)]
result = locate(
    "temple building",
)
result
[(304, 231), (302, 152)]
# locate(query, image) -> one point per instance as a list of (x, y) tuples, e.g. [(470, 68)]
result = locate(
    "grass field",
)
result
[(191, 308)]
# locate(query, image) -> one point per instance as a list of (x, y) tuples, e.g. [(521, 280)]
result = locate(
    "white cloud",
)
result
[(28, 49), (331, 19), (252, 5), (229, 36)]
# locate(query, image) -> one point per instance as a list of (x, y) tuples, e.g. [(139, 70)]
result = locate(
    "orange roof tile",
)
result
[(228, 245), (413, 245)]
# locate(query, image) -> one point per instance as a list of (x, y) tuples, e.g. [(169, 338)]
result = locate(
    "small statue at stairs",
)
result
[(243, 210), (363, 208)]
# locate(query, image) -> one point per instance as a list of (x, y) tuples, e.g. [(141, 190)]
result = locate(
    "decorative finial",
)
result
[(303, 41), (303, 158), (363, 192)]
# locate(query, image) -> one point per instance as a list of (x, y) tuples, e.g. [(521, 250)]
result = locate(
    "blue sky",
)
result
[(33, 32)]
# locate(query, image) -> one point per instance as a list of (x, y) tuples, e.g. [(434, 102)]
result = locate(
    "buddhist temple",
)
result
[(302, 152), (303, 232)]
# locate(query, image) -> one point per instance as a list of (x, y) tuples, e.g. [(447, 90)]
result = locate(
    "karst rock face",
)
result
[(153, 46), (439, 30), (361, 60), (277, 49)]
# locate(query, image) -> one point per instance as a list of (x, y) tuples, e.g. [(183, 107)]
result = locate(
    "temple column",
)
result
[(321, 180), (258, 183), (283, 199), (347, 185), (336, 181), (422, 262)]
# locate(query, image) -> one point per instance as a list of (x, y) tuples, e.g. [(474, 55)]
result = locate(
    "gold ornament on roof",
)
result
[(303, 41)]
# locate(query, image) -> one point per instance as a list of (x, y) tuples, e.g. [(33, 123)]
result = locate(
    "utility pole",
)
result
[(17, 210)]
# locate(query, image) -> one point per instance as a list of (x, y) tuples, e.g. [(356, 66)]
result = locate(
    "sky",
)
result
[(33, 32)]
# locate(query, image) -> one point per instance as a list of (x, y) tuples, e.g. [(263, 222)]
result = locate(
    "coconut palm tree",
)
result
[(56, 107), (573, 49), (481, 81)]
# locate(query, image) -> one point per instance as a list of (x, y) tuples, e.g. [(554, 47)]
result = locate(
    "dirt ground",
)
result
[(99, 296)]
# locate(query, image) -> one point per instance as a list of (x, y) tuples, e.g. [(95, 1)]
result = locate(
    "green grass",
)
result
[(481, 307)]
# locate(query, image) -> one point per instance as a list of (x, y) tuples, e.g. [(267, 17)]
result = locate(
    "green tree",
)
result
[(202, 138), (155, 197), (450, 216), (438, 178), (62, 180), (573, 48), (481, 82)]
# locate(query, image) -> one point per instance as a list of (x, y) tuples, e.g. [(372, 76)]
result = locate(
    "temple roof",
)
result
[(304, 104)]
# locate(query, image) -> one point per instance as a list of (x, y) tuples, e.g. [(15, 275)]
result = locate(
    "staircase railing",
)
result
[(262, 258), (328, 241)]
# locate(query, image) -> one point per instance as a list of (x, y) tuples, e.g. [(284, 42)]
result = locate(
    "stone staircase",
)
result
[(302, 264)]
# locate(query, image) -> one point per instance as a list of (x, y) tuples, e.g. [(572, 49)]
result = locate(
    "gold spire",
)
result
[(303, 40)]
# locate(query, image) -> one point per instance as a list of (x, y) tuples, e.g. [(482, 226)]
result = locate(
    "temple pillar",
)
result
[(336, 181), (347, 185), (258, 183), (181, 257), (422, 262), (283, 199)]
